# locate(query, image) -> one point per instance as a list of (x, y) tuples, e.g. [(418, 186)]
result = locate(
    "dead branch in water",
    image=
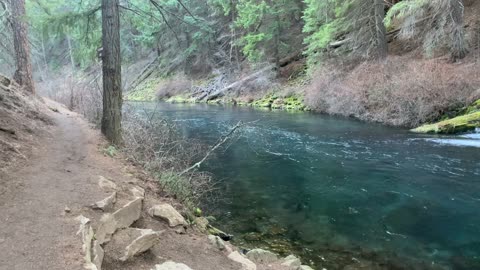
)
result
[(220, 142)]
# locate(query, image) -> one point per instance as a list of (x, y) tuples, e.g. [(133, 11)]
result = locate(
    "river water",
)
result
[(339, 192)]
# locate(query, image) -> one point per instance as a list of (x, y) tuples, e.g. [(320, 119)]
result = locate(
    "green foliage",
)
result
[(110, 151)]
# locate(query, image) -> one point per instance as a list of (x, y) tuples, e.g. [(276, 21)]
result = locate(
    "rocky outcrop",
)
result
[(239, 258), (262, 256), (107, 203), (122, 218), (217, 242), (106, 185), (137, 192), (168, 213), (127, 243), (171, 266), (93, 252)]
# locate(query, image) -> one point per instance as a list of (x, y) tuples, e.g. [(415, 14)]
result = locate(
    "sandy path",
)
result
[(35, 231)]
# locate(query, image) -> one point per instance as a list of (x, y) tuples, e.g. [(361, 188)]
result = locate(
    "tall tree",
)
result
[(23, 73), (112, 72)]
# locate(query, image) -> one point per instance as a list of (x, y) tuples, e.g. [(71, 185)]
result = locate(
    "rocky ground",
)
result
[(65, 204)]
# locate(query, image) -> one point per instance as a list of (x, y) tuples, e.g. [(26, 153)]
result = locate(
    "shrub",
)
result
[(398, 91)]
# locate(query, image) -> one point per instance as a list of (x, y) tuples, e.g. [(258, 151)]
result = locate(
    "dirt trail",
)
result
[(35, 231)]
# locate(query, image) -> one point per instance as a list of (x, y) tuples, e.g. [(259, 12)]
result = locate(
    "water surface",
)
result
[(336, 190)]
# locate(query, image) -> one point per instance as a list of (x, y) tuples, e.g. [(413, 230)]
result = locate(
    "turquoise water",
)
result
[(339, 192)]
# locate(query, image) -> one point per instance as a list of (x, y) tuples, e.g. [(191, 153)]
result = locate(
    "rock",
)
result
[(167, 213), (138, 192), (201, 223), (239, 258), (127, 243), (120, 219), (107, 203), (292, 262), (97, 255), (262, 256), (92, 255), (219, 233), (5, 81), (106, 184), (217, 242), (67, 209), (171, 266), (181, 230), (305, 267)]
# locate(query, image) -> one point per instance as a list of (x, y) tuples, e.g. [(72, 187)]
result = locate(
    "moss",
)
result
[(146, 91), (458, 124), (181, 99)]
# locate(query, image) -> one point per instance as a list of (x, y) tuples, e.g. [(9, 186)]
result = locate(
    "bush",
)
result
[(173, 87), (398, 91)]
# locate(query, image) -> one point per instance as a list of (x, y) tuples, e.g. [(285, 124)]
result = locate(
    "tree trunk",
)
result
[(459, 48), (23, 73), (380, 30), (112, 72)]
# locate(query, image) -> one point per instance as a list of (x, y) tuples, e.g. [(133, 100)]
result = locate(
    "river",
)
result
[(337, 191)]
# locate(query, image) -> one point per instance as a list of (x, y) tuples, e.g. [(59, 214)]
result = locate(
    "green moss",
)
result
[(458, 124), (181, 99), (145, 91)]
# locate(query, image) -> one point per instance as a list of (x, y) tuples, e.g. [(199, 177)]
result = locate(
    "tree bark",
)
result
[(380, 30), (23, 74), (112, 70)]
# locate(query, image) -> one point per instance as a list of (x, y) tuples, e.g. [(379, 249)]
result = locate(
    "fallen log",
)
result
[(222, 91)]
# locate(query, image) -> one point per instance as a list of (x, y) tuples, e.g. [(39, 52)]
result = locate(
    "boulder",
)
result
[(292, 262), (239, 258), (93, 252), (107, 203), (127, 243), (138, 192), (120, 219), (305, 267), (201, 223), (168, 213), (262, 256), (171, 266), (106, 185), (217, 242)]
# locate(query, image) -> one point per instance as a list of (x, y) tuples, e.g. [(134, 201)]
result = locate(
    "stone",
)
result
[(106, 185), (128, 243), (217, 242), (292, 262), (87, 234), (201, 223), (239, 258), (305, 267), (107, 203), (262, 256), (171, 266), (168, 213), (138, 192), (67, 209), (120, 219), (97, 255)]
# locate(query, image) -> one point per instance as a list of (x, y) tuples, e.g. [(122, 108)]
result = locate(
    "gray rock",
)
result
[(217, 242), (168, 213), (138, 192), (262, 256), (305, 267), (122, 218), (239, 258), (107, 203), (87, 235), (201, 223), (292, 262), (97, 255), (127, 243), (171, 266), (106, 185)]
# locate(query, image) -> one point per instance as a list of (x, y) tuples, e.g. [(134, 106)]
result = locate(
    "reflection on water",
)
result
[(333, 189)]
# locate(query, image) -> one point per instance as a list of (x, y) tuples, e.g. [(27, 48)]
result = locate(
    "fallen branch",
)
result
[(237, 83), (222, 140)]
